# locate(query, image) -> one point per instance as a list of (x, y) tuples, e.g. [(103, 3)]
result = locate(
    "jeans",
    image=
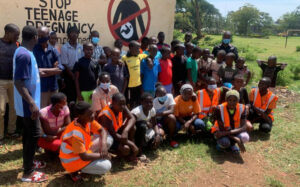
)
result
[(225, 142), (198, 124), (7, 96), (31, 134)]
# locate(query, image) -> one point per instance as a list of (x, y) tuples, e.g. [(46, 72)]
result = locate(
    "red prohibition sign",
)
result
[(113, 28)]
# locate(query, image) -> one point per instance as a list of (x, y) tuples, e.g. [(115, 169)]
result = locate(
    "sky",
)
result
[(276, 8)]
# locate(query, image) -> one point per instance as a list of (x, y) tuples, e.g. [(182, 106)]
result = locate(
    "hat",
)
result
[(233, 93), (186, 86)]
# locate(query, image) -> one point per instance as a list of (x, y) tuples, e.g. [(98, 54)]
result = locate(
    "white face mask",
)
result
[(212, 87), (105, 86)]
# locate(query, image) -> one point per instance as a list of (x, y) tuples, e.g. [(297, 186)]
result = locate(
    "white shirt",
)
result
[(159, 108), (139, 113)]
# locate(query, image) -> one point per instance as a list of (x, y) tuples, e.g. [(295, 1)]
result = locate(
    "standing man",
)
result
[(226, 46), (71, 52), (7, 49), (27, 102), (47, 58), (98, 54)]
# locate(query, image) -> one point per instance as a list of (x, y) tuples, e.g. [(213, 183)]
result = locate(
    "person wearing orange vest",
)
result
[(262, 101), (112, 117), (81, 148), (230, 126), (208, 99)]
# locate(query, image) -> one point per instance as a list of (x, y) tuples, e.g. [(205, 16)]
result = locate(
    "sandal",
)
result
[(75, 177), (37, 177), (39, 164)]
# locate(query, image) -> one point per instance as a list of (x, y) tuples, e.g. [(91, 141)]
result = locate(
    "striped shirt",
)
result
[(54, 122)]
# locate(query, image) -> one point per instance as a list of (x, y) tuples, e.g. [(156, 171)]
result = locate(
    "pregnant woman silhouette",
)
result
[(128, 31)]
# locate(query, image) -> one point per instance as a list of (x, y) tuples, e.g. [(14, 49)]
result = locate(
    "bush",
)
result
[(298, 48), (178, 35), (250, 56), (295, 69), (283, 78)]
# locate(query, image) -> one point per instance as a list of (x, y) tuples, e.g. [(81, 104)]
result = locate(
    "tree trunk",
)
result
[(195, 4)]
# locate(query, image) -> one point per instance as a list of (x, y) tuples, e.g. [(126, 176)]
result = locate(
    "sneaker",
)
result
[(174, 144)]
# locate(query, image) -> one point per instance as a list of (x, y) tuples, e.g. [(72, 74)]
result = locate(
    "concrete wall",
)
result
[(87, 15)]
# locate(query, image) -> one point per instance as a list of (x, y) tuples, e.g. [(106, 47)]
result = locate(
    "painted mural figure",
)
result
[(128, 31)]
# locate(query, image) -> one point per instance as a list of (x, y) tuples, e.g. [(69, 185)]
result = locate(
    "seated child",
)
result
[(164, 106), (165, 76), (85, 145), (103, 93), (192, 66), (54, 119), (119, 122), (243, 70), (86, 74), (209, 99), (187, 110), (117, 70), (271, 68), (262, 101), (216, 65), (230, 126), (150, 68), (227, 74), (147, 131)]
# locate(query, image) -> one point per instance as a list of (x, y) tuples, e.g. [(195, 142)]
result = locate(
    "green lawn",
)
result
[(269, 161)]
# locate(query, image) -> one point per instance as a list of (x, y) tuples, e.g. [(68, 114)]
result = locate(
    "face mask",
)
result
[(226, 41), (163, 98), (43, 40), (95, 40), (105, 86), (212, 87)]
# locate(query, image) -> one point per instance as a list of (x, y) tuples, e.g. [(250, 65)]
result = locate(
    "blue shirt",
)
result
[(71, 55), (47, 59), (158, 55), (150, 75), (25, 68)]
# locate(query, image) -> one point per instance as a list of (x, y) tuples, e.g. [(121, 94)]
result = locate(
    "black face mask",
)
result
[(43, 40)]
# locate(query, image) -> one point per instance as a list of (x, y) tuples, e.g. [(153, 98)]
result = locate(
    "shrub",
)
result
[(250, 56), (178, 35), (283, 78), (298, 48), (295, 69)]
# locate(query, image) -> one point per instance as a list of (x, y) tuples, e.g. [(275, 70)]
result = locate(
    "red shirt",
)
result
[(165, 76)]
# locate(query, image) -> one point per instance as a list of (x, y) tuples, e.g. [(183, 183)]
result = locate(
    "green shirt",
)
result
[(193, 65)]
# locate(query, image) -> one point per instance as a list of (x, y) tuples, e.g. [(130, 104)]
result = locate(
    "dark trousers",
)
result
[(264, 125), (70, 88), (141, 128), (31, 133), (134, 96)]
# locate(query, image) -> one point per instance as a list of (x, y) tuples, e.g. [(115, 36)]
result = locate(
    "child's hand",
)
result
[(55, 64)]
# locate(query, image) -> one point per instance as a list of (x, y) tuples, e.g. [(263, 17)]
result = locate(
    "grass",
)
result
[(270, 160)]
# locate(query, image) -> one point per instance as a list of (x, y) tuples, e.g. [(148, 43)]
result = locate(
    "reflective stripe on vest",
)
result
[(69, 160), (76, 133), (64, 148), (110, 115), (201, 100), (269, 101)]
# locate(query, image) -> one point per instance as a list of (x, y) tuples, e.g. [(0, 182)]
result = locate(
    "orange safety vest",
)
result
[(206, 103), (70, 160), (111, 115), (240, 108), (257, 102)]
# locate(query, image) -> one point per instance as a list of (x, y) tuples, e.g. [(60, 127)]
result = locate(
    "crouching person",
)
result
[(81, 148), (112, 117), (231, 124)]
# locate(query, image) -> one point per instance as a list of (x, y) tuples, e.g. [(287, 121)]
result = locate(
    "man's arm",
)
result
[(23, 91), (48, 72), (130, 122)]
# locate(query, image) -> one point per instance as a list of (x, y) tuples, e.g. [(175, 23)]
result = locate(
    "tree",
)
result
[(290, 20)]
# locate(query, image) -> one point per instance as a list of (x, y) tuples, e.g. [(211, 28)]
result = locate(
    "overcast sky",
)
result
[(275, 8)]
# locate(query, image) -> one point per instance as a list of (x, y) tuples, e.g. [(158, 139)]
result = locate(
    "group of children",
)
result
[(129, 102)]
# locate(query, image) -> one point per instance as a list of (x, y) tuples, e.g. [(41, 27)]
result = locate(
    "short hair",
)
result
[(10, 28), (158, 84), (188, 34), (175, 42), (85, 44), (241, 59), (117, 97), (104, 73), (272, 58), (28, 33), (230, 55), (145, 39), (266, 79), (133, 44), (239, 77), (57, 98), (165, 49), (180, 45), (52, 33), (145, 95), (190, 44), (81, 107), (94, 31), (72, 29), (222, 52), (197, 49), (160, 33), (210, 79), (152, 46)]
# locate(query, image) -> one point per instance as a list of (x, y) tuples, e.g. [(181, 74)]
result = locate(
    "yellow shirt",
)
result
[(134, 67)]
